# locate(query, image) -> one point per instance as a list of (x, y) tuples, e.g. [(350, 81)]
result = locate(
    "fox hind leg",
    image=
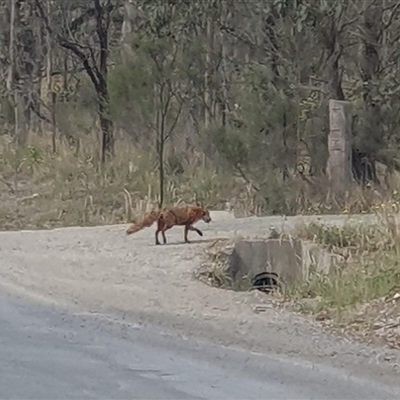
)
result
[(185, 234), (163, 230), (163, 233), (164, 237), (157, 241), (160, 228)]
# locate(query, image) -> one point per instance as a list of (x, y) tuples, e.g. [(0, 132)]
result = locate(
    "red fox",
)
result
[(170, 216)]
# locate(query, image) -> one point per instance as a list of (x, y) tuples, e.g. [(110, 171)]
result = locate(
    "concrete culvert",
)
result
[(266, 282), (265, 264), (273, 263)]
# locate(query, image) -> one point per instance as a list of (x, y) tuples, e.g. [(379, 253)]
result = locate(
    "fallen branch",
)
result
[(8, 184), (31, 197)]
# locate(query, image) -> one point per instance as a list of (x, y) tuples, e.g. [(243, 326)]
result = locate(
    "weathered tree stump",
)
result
[(339, 146)]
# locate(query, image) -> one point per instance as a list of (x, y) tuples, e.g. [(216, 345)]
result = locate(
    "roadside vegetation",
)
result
[(42, 189), (110, 108), (369, 267), (361, 296)]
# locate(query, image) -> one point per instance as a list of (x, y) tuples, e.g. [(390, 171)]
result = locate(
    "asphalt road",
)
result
[(46, 353)]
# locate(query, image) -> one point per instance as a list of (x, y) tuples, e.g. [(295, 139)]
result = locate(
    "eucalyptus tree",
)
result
[(83, 28)]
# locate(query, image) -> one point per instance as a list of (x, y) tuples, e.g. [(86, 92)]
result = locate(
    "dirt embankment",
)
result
[(102, 270)]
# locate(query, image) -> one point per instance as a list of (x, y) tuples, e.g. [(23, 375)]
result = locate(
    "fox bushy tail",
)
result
[(145, 222)]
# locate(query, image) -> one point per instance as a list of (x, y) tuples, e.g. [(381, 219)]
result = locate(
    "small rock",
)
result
[(378, 325), (322, 316), (273, 234), (260, 309)]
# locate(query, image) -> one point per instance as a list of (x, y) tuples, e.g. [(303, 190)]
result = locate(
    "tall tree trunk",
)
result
[(160, 144), (15, 84), (13, 93), (370, 65), (53, 102), (103, 21), (207, 68), (20, 118), (107, 146), (11, 48), (224, 105), (161, 170), (51, 94), (333, 49)]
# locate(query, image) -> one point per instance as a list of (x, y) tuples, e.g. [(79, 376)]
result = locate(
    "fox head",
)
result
[(206, 216)]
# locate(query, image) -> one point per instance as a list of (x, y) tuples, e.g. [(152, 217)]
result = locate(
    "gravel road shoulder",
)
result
[(100, 270)]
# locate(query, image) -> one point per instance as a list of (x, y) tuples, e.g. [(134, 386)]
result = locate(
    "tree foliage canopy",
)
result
[(245, 83)]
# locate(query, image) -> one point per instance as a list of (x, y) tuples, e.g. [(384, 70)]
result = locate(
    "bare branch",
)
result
[(66, 44), (174, 123), (85, 17), (35, 109), (246, 179), (393, 14)]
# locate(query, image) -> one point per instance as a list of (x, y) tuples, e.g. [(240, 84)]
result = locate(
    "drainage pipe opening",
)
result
[(266, 282)]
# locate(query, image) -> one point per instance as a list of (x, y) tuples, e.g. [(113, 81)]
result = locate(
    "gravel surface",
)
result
[(101, 270), (64, 355)]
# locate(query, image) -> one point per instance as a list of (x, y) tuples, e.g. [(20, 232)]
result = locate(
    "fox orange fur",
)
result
[(168, 217)]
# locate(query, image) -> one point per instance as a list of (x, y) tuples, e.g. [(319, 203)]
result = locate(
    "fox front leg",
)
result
[(157, 241), (198, 231), (161, 227), (164, 237), (185, 235)]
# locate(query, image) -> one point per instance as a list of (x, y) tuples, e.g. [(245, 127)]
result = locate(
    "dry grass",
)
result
[(215, 270), (370, 269), (42, 190), (39, 189), (362, 296)]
